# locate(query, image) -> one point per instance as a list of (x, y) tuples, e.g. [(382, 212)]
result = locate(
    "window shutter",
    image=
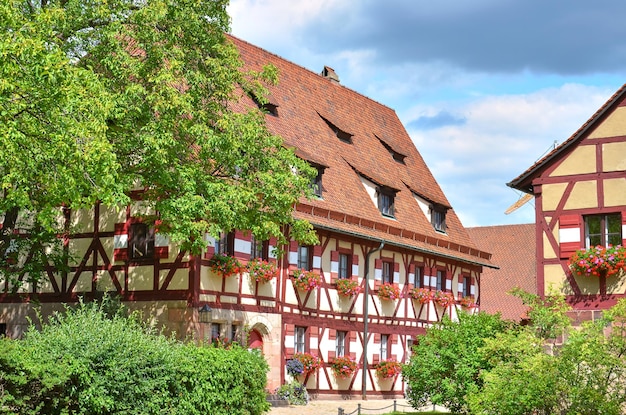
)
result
[(396, 273), (334, 266), (569, 235)]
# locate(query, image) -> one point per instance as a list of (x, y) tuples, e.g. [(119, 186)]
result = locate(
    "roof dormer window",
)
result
[(316, 183), (266, 107), (394, 154), (341, 134), (438, 218), (386, 198)]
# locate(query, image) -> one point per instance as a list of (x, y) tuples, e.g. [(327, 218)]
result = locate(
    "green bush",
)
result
[(294, 392), (85, 362)]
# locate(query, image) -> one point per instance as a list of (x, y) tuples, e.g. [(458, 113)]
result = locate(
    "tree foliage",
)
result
[(104, 97), (446, 361), (88, 362)]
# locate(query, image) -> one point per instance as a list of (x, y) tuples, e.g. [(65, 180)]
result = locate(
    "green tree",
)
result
[(446, 362), (88, 361), (99, 98)]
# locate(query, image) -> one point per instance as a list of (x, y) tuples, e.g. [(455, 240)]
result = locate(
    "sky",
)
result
[(484, 87)]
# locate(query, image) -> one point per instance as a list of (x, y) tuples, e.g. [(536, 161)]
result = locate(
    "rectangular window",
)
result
[(387, 272), (226, 244), (384, 344), (216, 330), (235, 333), (440, 281), (385, 202), (259, 249), (467, 286), (316, 184), (304, 257), (438, 218), (603, 230), (299, 339), (141, 241), (344, 266), (340, 343), (418, 277)]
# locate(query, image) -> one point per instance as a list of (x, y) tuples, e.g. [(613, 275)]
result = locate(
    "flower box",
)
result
[(444, 299), (262, 271), (310, 363), (348, 287), (343, 367), (422, 295), (467, 302), (225, 265), (388, 291), (598, 261), (388, 369), (306, 280)]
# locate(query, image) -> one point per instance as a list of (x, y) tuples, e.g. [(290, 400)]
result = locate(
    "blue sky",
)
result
[(483, 87)]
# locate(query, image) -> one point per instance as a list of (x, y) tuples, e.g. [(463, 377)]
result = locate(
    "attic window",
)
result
[(438, 218), (386, 198), (342, 135), (316, 183), (394, 154), (266, 107)]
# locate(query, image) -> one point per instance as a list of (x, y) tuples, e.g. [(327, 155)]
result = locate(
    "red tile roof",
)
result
[(304, 99), (524, 180), (513, 251)]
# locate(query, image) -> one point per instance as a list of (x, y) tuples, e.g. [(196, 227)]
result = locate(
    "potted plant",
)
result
[(306, 280), (388, 291), (262, 271), (467, 302), (348, 287), (599, 261), (343, 367), (310, 363), (388, 369), (225, 265), (423, 295), (444, 299)]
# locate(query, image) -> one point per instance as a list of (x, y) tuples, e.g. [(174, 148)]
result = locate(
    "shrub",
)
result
[(344, 366), (306, 280), (83, 363), (262, 271), (388, 369), (348, 287), (225, 265), (294, 392), (388, 291)]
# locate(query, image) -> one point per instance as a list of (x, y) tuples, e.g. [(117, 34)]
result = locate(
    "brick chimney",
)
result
[(329, 73)]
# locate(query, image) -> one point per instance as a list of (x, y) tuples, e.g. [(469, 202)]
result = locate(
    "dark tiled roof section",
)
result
[(513, 251), (523, 181), (302, 96)]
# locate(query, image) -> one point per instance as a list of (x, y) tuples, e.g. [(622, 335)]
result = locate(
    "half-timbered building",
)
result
[(580, 202), (381, 219)]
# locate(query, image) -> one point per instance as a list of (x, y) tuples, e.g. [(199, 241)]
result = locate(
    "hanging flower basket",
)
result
[(225, 265), (262, 271), (422, 295), (348, 287), (310, 363), (306, 280), (599, 261), (388, 369), (467, 302), (388, 291), (343, 367), (444, 299)]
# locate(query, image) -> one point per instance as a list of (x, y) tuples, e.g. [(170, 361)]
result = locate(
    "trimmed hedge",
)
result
[(85, 362)]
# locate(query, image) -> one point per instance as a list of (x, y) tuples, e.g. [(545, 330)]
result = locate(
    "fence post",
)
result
[(340, 411), (395, 408), (358, 409)]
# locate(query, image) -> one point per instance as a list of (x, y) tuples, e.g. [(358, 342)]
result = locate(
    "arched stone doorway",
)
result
[(255, 339)]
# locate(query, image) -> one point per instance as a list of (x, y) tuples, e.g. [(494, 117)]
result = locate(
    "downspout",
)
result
[(366, 318)]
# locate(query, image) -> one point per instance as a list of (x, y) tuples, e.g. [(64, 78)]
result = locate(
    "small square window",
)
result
[(259, 249), (384, 345), (418, 277), (340, 343), (226, 244), (387, 272), (141, 241), (603, 230), (467, 286), (440, 281), (299, 339), (438, 219)]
